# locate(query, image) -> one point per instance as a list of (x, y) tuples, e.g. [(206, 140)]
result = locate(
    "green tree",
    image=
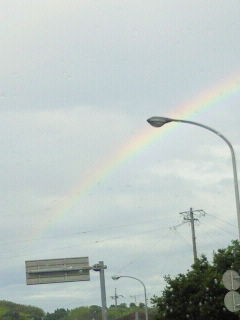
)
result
[(11, 315), (58, 314), (81, 313), (199, 294), (95, 312), (118, 312), (13, 311)]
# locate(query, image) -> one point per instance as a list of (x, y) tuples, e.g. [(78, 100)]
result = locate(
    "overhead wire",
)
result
[(223, 220), (219, 227), (80, 232), (157, 243), (140, 256), (94, 242)]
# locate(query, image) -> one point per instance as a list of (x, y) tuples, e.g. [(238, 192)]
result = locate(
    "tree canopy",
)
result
[(95, 312), (199, 294), (13, 311)]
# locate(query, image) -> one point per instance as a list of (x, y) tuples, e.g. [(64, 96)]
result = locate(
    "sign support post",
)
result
[(100, 267)]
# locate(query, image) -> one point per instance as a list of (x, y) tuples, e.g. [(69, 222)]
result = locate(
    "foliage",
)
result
[(95, 312), (228, 258), (122, 310), (11, 315), (14, 311), (80, 313), (59, 314), (199, 294)]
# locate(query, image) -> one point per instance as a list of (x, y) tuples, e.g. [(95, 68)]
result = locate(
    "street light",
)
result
[(116, 277), (160, 121)]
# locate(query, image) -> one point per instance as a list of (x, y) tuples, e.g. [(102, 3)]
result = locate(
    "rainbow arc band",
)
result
[(160, 121), (203, 101)]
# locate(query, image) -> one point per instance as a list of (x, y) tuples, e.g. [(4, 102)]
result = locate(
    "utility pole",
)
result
[(193, 235), (192, 216), (115, 297), (135, 298)]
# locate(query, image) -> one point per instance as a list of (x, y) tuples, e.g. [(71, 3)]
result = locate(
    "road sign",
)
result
[(231, 280), (232, 301), (57, 270)]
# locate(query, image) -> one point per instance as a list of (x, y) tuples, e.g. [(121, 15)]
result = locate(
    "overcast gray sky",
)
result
[(78, 80)]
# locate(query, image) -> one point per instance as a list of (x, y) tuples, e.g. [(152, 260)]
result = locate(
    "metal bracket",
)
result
[(98, 267)]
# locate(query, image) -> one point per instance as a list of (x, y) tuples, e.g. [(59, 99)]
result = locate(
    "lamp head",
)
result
[(158, 121), (116, 277)]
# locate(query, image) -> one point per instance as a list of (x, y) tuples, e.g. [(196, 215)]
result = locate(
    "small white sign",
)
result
[(232, 301), (231, 280)]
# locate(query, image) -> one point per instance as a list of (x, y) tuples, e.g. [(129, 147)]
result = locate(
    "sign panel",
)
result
[(57, 270), (232, 301), (231, 280)]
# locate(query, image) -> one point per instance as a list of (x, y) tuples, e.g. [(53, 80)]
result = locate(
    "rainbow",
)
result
[(138, 143)]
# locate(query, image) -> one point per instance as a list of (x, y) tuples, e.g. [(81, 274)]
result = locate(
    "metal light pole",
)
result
[(160, 121), (145, 292)]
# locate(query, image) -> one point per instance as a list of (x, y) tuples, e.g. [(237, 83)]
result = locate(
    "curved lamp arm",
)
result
[(160, 121)]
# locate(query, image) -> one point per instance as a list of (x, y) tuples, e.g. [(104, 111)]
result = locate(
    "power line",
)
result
[(220, 219), (135, 223)]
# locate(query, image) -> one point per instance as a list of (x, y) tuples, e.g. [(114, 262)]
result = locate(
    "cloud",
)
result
[(78, 80)]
